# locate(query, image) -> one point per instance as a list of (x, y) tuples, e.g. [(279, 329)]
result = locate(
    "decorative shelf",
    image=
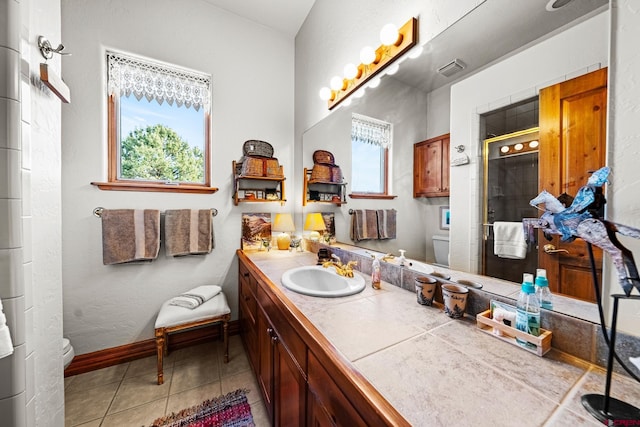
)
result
[(323, 192), (257, 189)]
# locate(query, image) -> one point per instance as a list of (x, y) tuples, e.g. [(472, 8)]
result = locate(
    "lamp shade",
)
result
[(283, 222), (314, 223)]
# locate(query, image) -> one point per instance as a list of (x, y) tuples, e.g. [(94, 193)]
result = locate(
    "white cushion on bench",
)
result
[(173, 315)]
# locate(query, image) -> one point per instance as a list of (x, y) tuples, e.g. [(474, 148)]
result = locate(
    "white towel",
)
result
[(196, 296), (508, 240), (6, 345)]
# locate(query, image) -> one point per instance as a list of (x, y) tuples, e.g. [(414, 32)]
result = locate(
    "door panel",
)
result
[(572, 142)]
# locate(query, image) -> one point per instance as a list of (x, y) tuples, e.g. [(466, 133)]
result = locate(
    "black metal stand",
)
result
[(605, 408)]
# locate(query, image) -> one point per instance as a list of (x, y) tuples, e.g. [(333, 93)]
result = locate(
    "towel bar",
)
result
[(97, 212)]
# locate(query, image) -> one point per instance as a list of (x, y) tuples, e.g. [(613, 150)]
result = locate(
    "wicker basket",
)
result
[(323, 173), (322, 156), (255, 147), (261, 167)]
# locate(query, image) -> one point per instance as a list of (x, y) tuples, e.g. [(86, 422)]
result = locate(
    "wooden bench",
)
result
[(173, 318)]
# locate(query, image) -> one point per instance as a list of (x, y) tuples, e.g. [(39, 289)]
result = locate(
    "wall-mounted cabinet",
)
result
[(257, 189), (431, 167), (322, 192)]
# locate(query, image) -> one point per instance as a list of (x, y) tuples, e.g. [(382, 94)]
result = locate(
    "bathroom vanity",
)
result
[(379, 358)]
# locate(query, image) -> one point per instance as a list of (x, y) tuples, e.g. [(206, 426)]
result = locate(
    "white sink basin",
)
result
[(318, 281)]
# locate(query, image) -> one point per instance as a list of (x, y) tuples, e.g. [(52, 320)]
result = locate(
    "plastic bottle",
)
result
[(527, 310), (402, 258), (542, 289), (375, 273)]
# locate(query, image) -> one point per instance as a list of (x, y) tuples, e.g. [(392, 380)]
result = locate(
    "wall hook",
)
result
[(47, 50), (459, 148)]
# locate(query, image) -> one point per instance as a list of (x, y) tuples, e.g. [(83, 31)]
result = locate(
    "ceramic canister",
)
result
[(425, 289), (455, 299)]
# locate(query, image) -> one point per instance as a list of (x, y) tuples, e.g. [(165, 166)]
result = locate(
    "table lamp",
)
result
[(315, 223), (283, 223)]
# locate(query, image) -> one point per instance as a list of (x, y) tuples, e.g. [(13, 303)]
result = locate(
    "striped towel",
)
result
[(386, 223), (364, 225), (196, 296), (6, 345)]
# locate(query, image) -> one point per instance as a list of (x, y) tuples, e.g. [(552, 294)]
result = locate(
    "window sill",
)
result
[(372, 196), (151, 187)]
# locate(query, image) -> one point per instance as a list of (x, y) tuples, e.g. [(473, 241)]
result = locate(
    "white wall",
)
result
[(32, 388), (252, 69)]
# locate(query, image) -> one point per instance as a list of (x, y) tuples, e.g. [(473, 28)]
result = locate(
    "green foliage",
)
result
[(159, 153)]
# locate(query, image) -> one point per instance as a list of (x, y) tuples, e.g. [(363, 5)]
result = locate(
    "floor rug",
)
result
[(230, 410)]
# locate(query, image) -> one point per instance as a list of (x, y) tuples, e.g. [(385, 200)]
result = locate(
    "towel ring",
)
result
[(97, 212)]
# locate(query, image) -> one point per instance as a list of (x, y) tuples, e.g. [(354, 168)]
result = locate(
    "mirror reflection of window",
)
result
[(370, 146)]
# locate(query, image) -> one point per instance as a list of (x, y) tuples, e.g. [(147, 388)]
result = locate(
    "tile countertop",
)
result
[(439, 371)]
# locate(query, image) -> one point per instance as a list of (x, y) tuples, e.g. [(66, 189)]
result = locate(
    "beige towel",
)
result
[(364, 225), (130, 235), (386, 223), (508, 240), (196, 296), (188, 232)]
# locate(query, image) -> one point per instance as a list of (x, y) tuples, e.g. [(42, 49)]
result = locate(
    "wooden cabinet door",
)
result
[(431, 167), (265, 373), (572, 142), (290, 389)]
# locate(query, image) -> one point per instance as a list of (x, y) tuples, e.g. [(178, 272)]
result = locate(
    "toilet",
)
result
[(67, 352), (441, 250)]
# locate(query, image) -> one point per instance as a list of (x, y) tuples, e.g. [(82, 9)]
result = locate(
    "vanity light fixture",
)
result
[(519, 148), (395, 42)]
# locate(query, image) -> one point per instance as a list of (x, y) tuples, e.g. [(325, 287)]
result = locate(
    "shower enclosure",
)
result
[(510, 181)]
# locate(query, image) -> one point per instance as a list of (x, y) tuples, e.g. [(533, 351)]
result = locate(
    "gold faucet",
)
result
[(387, 257), (345, 270)]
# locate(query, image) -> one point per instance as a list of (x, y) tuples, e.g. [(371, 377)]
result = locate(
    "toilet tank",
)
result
[(441, 249)]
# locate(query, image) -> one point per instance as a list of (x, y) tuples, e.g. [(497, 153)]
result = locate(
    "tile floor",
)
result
[(128, 394)]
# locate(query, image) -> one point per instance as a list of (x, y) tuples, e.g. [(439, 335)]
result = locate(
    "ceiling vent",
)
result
[(452, 67)]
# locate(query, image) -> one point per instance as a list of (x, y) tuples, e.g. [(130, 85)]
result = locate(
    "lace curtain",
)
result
[(128, 75), (370, 131)]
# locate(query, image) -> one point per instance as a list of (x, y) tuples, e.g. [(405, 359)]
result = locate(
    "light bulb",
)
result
[(389, 35), (392, 69), (504, 149), (350, 71), (518, 147), (346, 102), (416, 52), (336, 83), (367, 55), (359, 93), (325, 93), (374, 83), (534, 144)]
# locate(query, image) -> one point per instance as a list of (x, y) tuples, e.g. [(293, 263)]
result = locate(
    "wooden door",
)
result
[(431, 167), (265, 376), (290, 389), (572, 142)]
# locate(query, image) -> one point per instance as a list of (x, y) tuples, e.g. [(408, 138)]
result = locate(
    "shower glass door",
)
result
[(510, 181)]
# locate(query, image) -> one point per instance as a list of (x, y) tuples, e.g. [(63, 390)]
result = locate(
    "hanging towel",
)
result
[(6, 345), (508, 240), (364, 225), (130, 235), (188, 232), (386, 223), (196, 296)]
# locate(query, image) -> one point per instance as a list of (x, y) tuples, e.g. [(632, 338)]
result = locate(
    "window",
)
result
[(158, 135), (370, 146)]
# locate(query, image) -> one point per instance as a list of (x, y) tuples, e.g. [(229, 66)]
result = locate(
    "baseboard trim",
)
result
[(125, 353)]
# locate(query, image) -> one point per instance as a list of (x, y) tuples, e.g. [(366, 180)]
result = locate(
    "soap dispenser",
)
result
[(401, 258), (375, 273)]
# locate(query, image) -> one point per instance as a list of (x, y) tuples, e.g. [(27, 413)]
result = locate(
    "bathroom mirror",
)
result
[(416, 102)]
